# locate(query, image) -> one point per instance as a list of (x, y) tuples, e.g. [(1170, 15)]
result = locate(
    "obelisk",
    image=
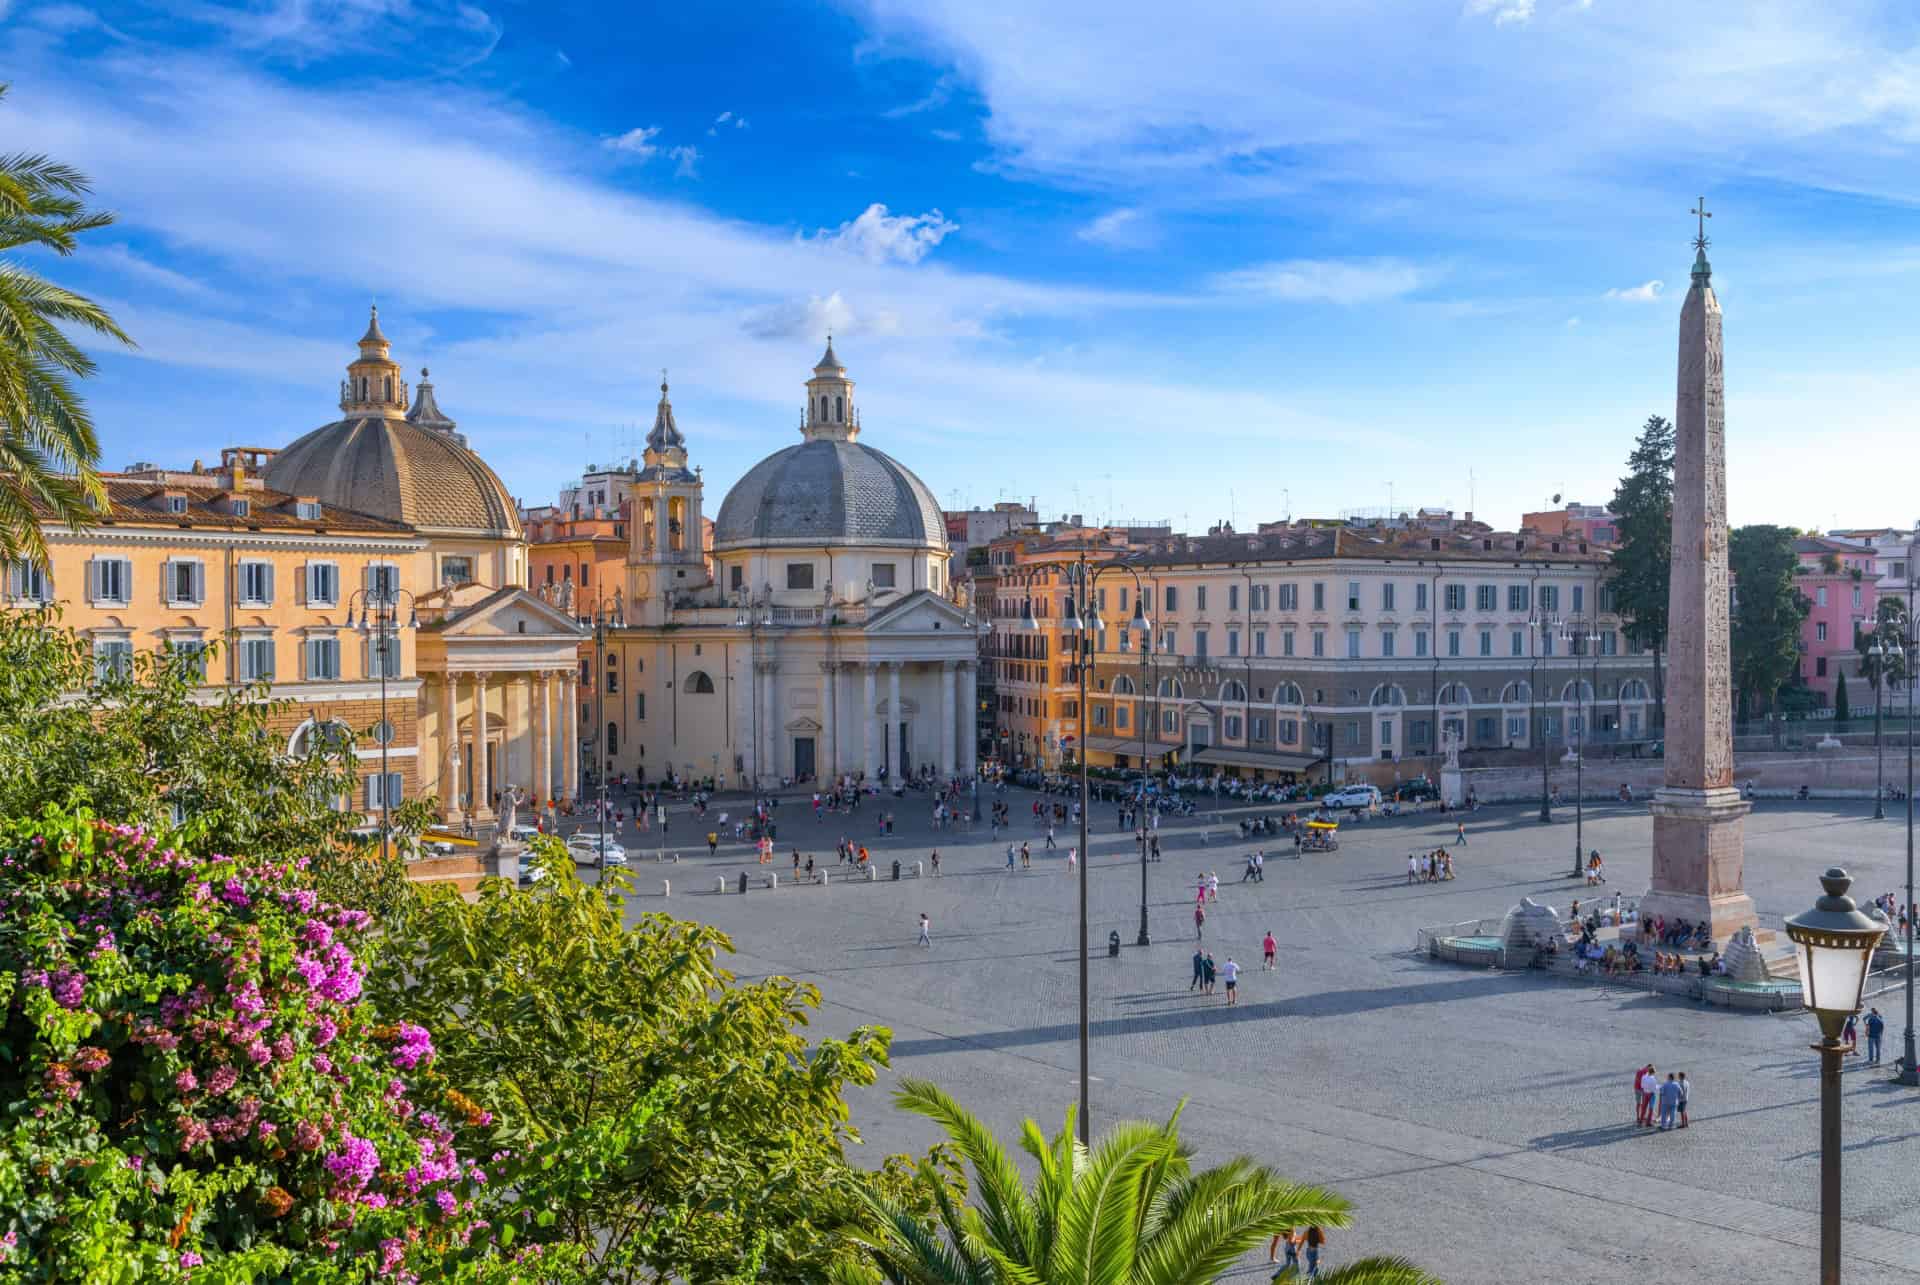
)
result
[(1699, 832)]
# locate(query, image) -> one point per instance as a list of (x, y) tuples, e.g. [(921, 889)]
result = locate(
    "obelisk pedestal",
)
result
[(1699, 831)]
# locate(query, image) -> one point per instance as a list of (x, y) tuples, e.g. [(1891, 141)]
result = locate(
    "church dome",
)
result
[(404, 464), (830, 489)]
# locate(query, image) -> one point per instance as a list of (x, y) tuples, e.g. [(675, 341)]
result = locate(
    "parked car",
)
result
[(524, 833), (1353, 796), (587, 847)]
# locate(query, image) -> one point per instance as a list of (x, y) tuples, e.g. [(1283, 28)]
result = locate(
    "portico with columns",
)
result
[(503, 684)]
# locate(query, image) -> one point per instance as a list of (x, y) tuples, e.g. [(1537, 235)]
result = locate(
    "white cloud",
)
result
[(1504, 12), (637, 143), (807, 318), (1648, 292), (123, 262), (880, 237), (1125, 229), (725, 119), (1343, 281), (1572, 323), (936, 96), (684, 160)]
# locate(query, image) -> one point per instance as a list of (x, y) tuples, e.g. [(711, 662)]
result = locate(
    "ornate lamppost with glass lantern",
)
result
[(1835, 942), (379, 623)]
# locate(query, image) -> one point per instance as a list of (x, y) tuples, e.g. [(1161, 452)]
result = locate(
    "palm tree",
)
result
[(1130, 1212), (48, 449)]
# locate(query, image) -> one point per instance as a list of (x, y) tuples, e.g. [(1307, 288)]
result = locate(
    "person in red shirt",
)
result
[(1644, 1086), (1267, 947)]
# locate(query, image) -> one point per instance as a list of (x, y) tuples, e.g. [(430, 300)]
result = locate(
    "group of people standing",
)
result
[(1667, 1098), (1434, 867)]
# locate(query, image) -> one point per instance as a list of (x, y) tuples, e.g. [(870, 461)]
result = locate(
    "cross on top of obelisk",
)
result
[(1700, 209)]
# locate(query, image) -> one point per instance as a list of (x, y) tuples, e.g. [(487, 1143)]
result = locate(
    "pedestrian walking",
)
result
[(1293, 1252), (1207, 986), (926, 930), (1009, 856), (1050, 844), (1315, 1241), (1199, 970), (1267, 945), (1199, 921), (1073, 859), (1413, 868), (1231, 971), (1213, 886), (1850, 1034), (1460, 834), (1876, 1027), (1026, 857), (1686, 1091)]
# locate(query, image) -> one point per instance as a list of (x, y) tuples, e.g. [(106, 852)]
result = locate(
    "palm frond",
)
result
[(1005, 1208), (1096, 1240), (1379, 1270), (1216, 1224)]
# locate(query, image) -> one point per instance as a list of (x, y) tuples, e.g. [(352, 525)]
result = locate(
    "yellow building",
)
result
[(277, 556)]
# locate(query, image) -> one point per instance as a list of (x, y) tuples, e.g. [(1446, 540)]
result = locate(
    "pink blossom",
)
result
[(393, 1251), (446, 1201), (283, 1048), (316, 933), (186, 1081), (196, 1134), (415, 1047), (223, 1079), (69, 988), (235, 893), (324, 1032), (305, 1136), (190, 1259), (355, 1164)]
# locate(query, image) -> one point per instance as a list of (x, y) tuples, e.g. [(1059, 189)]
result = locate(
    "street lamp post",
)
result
[(1081, 624), (1909, 1066), (380, 625), (1140, 717), (1835, 941), (1880, 654), (1542, 627), (605, 617), (1588, 637)]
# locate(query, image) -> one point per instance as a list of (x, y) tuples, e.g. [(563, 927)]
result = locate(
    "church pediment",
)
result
[(508, 613), (921, 612)]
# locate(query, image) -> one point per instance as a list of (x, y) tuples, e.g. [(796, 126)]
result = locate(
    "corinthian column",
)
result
[(449, 751), (948, 677), (767, 768), (570, 742), (543, 736), (869, 737), (969, 735), (893, 719), (482, 784), (829, 749)]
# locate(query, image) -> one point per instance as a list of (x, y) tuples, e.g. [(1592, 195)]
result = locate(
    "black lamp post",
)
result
[(1589, 638), (1082, 625), (1880, 654), (605, 617), (1835, 941), (380, 624), (1909, 1064), (1542, 627)]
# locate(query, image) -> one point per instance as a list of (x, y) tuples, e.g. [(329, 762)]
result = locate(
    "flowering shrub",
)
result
[(192, 1087)]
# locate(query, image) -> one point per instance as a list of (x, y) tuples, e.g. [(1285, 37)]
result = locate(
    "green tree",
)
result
[(1767, 612), (1841, 711), (1643, 562), (1129, 1212), (48, 448), (665, 1122)]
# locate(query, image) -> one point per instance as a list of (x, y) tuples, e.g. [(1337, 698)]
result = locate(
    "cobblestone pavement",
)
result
[(1479, 1121)]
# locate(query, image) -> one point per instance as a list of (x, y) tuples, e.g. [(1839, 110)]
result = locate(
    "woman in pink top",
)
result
[(1267, 945)]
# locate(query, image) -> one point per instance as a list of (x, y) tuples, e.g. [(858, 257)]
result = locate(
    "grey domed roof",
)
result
[(829, 492), (397, 470)]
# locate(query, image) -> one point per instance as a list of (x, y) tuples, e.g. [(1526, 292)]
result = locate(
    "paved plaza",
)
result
[(1481, 1122)]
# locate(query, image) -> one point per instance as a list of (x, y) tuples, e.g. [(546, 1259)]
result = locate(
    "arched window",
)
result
[(1289, 694), (1123, 686), (311, 736), (1578, 690), (613, 739), (1387, 694), (1170, 688), (389, 382), (1456, 694), (1519, 693), (839, 411), (1232, 690), (363, 388), (1633, 690), (640, 665), (699, 684)]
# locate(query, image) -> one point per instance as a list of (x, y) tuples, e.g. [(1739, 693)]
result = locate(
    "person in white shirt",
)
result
[(1231, 972), (1413, 868), (926, 931)]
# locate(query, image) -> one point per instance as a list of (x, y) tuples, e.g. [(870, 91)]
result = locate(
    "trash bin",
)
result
[(743, 883), (896, 870), (1113, 943)]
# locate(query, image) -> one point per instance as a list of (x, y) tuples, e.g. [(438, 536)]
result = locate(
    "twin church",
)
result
[(374, 575)]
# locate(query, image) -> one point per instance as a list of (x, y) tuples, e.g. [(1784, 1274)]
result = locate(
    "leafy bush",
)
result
[(194, 1086)]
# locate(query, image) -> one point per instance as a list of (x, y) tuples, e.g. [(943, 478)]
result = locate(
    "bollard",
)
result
[(666, 887), (773, 880), (871, 872), (823, 876), (917, 872), (720, 885), (896, 870), (1113, 943), (743, 883)]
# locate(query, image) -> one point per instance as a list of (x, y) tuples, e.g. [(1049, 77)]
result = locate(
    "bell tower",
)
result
[(665, 551), (373, 387)]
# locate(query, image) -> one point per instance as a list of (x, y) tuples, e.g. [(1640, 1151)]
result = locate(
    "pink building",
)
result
[(1841, 582), (1594, 523)]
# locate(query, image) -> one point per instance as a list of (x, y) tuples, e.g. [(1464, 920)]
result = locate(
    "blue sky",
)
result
[(1239, 259)]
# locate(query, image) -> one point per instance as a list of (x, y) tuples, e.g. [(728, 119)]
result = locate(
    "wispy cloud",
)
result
[(1125, 229), (1503, 12), (726, 120), (1647, 292), (124, 263), (637, 143), (684, 160), (1342, 281), (880, 237), (936, 96)]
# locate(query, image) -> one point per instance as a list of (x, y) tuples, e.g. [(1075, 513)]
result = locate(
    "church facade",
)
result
[(817, 638)]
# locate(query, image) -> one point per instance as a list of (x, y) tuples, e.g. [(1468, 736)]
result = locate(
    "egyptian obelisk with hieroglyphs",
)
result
[(1699, 835)]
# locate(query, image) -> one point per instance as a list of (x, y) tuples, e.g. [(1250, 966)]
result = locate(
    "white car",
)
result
[(586, 846), (524, 834), (1353, 796)]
